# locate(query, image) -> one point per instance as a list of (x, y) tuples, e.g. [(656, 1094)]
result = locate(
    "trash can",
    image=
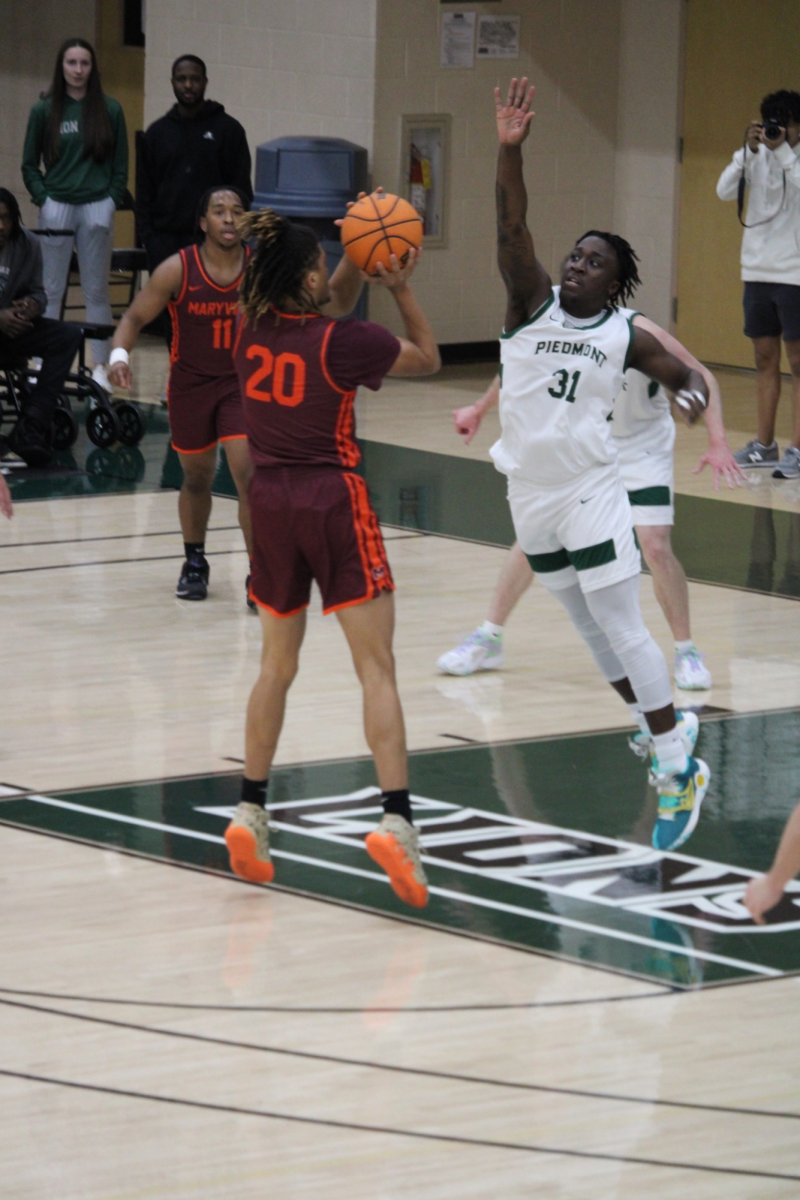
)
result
[(311, 179)]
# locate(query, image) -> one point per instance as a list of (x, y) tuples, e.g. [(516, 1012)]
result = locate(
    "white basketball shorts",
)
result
[(580, 532), (646, 466)]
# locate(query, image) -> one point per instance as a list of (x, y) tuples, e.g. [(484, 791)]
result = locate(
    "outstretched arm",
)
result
[(163, 284), (719, 455), (6, 507), (765, 892), (651, 358), (527, 282), (468, 419)]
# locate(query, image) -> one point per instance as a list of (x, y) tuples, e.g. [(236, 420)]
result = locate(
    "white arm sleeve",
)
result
[(728, 182)]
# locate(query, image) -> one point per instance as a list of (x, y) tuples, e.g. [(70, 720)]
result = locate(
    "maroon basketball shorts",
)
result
[(203, 410), (314, 523)]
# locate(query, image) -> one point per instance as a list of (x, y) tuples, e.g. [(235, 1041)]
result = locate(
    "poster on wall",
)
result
[(457, 43), (424, 172), (498, 37)]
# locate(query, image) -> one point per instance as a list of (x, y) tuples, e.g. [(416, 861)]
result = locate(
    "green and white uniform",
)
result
[(558, 384), (644, 434)]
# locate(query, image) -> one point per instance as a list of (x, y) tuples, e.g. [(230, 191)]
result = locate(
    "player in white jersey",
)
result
[(644, 435), (563, 355)]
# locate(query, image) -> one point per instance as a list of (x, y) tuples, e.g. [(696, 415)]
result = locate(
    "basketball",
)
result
[(379, 226)]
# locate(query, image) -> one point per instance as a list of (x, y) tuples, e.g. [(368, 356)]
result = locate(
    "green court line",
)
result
[(732, 545)]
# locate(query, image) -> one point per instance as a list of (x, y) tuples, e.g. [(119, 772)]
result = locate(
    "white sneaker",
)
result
[(688, 727), (691, 673), (100, 376), (479, 652)]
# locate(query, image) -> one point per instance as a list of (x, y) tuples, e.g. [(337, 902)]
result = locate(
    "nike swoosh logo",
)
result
[(588, 498), (197, 288)]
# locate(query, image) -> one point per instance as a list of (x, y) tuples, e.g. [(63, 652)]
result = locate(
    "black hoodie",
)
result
[(179, 159)]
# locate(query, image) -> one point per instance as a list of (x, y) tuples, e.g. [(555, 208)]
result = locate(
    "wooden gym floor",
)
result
[(573, 1017)]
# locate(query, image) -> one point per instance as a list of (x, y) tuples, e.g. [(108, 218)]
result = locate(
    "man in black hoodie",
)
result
[(25, 333), (194, 147)]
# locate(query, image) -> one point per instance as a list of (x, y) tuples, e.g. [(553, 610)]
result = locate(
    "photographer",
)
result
[(769, 163)]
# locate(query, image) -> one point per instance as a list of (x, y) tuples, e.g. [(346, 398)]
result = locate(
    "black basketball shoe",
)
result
[(30, 439), (193, 583)]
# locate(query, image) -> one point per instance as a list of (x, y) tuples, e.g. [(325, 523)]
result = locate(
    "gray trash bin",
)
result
[(311, 179)]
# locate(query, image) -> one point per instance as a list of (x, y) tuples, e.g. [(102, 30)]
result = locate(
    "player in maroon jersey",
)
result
[(312, 518), (200, 286)]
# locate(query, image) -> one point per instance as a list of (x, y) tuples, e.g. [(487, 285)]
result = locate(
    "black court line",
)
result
[(391, 1068), (344, 1010), (110, 562), (398, 918), (112, 537), (387, 1130), (107, 562)]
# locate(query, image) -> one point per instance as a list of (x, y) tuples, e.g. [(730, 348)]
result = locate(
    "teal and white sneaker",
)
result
[(679, 800), (688, 727), (479, 652), (691, 672)]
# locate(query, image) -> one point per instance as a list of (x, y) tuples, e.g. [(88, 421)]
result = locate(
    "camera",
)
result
[(773, 128)]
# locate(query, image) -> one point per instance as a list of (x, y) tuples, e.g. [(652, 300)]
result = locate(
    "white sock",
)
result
[(638, 717), (670, 754), (492, 629), (683, 647)]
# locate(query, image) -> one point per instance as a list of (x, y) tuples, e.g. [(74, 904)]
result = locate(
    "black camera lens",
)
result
[(772, 129)]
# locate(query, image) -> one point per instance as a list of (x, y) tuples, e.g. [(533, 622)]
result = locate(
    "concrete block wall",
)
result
[(281, 67), (31, 35), (647, 175), (570, 50)]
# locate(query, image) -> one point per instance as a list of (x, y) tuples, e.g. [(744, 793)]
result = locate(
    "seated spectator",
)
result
[(25, 333)]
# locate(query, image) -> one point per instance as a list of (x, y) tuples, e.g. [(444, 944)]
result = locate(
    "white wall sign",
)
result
[(457, 44), (498, 37)]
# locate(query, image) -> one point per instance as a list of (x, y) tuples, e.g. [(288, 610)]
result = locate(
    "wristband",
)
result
[(118, 355), (684, 399)]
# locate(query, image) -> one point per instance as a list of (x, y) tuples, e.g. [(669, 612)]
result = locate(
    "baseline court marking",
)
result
[(458, 896)]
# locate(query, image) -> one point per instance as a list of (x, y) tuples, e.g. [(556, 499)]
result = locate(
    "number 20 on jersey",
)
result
[(287, 373)]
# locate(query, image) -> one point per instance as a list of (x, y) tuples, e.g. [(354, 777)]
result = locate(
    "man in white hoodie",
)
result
[(770, 163)]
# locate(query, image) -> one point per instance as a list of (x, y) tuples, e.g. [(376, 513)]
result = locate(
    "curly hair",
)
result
[(627, 273), (782, 107), (283, 255), (205, 201)]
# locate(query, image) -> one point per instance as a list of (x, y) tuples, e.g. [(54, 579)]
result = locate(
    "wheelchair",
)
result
[(107, 422)]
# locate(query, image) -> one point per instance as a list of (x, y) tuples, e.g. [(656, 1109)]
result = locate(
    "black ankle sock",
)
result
[(398, 802), (254, 791), (194, 549)]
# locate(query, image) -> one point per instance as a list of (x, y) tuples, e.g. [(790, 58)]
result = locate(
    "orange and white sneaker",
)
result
[(394, 846), (247, 838)]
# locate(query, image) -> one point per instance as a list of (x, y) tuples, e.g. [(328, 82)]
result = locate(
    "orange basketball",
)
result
[(377, 226)]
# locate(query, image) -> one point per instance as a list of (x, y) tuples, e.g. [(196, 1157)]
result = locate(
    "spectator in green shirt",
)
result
[(75, 166)]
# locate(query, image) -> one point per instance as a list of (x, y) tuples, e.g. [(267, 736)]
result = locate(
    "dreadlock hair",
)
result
[(283, 255), (98, 136), (205, 201), (627, 274), (782, 107), (10, 200)]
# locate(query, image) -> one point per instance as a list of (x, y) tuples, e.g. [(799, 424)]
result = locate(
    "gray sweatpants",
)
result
[(94, 227)]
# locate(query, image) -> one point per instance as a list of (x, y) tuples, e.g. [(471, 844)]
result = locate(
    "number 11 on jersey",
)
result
[(222, 334)]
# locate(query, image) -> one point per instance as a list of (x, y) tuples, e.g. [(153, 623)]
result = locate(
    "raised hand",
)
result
[(514, 117)]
